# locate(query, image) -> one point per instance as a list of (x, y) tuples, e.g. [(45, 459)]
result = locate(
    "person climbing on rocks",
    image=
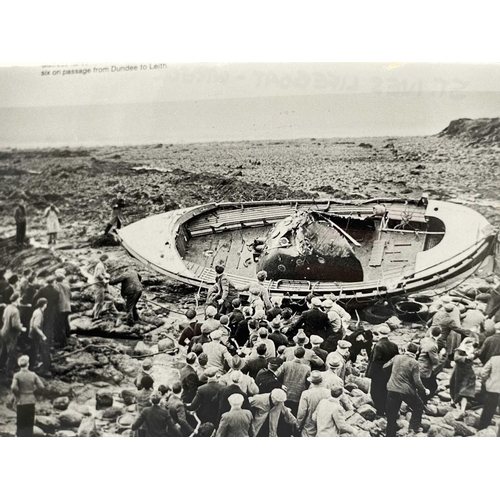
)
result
[(117, 206), (101, 281), (131, 291)]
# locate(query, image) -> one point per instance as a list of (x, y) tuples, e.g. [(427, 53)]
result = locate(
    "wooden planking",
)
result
[(377, 254)]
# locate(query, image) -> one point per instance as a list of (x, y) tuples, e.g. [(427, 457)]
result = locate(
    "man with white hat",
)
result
[(316, 342), (308, 403), (383, 352), (342, 354), (331, 304), (246, 383), (310, 357), (237, 422), (270, 413), (314, 321), (217, 353)]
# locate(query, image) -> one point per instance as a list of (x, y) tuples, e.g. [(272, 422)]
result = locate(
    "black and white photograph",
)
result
[(250, 250)]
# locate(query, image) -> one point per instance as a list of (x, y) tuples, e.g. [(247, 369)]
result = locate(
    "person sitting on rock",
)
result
[(405, 385), (131, 291), (155, 421)]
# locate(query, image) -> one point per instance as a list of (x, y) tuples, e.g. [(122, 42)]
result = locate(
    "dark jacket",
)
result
[(158, 422), (242, 332), (178, 413), (192, 330), (254, 365), (405, 376), (314, 322), (278, 339), (203, 402), (266, 381), (131, 282), (235, 318), (221, 400), (490, 348), (383, 352)]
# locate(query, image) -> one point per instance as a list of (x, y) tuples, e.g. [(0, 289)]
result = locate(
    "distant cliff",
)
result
[(479, 132)]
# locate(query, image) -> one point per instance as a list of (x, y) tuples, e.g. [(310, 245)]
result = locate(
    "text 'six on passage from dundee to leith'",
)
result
[(85, 70)]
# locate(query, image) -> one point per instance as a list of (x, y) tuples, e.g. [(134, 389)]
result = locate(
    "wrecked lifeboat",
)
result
[(358, 251)]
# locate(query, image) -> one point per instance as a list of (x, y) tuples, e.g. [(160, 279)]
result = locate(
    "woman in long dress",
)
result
[(463, 378), (52, 216)]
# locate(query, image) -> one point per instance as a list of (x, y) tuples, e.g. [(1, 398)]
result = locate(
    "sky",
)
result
[(136, 103)]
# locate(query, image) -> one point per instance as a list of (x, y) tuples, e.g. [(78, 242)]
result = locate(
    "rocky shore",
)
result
[(97, 368)]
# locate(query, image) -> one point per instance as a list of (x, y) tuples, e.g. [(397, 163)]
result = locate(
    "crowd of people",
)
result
[(258, 365), (254, 367)]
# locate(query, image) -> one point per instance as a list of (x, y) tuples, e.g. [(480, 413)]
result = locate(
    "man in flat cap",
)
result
[(237, 422), (271, 417), (203, 402), (316, 342), (382, 353), (342, 354), (309, 401), (266, 379)]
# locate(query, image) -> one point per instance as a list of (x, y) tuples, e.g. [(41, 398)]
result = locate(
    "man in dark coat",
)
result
[(177, 411), (131, 292), (203, 402), (491, 346), (314, 321), (20, 218), (157, 420), (51, 314), (360, 339), (255, 364), (117, 206), (242, 332), (221, 398), (383, 352), (193, 329), (236, 317), (266, 379)]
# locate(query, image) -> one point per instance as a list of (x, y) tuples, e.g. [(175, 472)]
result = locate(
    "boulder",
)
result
[(355, 420), (83, 409), (462, 430), (65, 434), (88, 428), (443, 376), (48, 425), (56, 388), (444, 396), (441, 431), (128, 397), (443, 410), (488, 432), (363, 383), (453, 416), (426, 425), (142, 349), (431, 410), (367, 411), (350, 386), (356, 393), (61, 403), (362, 400), (37, 432), (112, 413), (70, 418), (104, 399), (111, 374), (471, 420), (85, 393)]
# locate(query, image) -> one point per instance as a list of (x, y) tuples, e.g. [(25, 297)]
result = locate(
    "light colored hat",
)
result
[(236, 376), (449, 307), (316, 340), (279, 395), (147, 364), (315, 377), (344, 344), (237, 362), (384, 330), (211, 372), (301, 338), (327, 303), (334, 362), (316, 302), (210, 311), (60, 272), (236, 399), (276, 323), (216, 335)]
